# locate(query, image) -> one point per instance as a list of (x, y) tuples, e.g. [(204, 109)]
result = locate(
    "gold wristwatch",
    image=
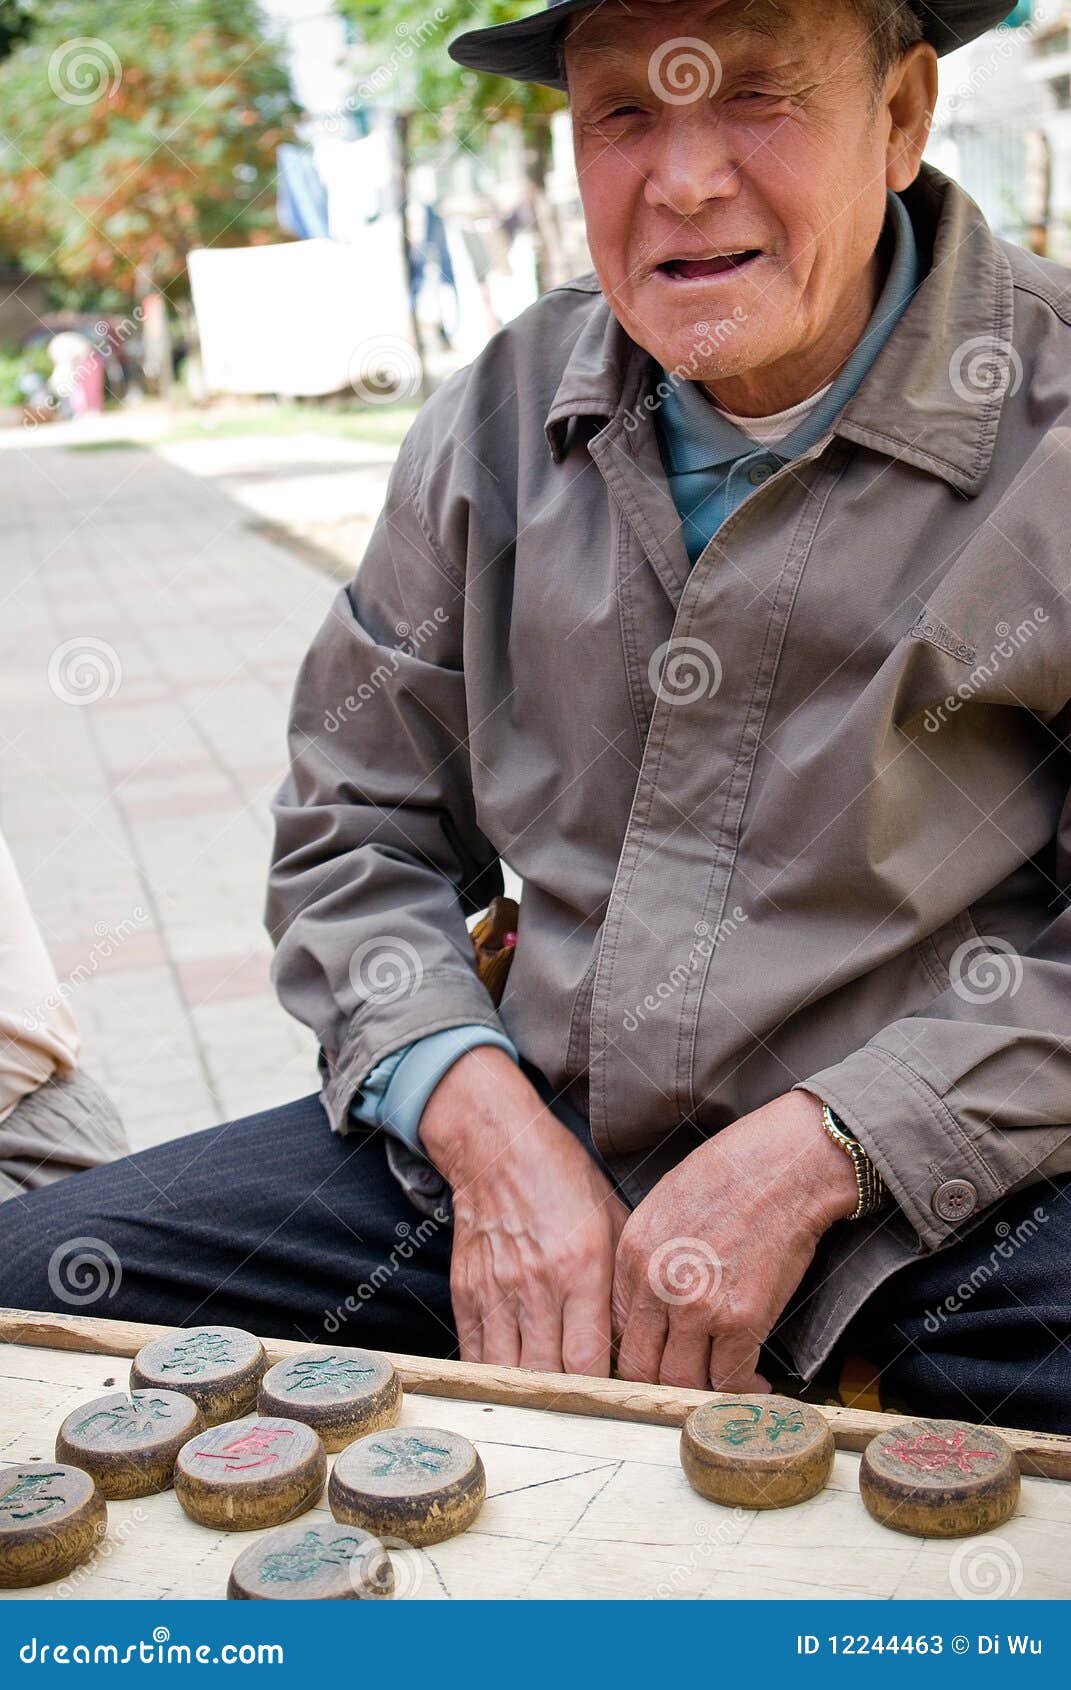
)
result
[(872, 1188)]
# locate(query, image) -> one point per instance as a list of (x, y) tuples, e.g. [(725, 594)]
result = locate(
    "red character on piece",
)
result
[(254, 1445), (931, 1452)]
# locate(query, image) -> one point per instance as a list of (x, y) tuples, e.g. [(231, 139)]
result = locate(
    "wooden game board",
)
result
[(586, 1497)]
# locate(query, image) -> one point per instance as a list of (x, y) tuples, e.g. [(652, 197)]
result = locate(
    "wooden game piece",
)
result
[(757, 1451), (414, 1483), (129, 1442), (220, 1367), (343, 1393), (259, 1471), (51, 1518), (312, 1561), (939, 1478)]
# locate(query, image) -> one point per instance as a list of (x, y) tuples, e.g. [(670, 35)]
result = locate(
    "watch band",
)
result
[(872, 1188)]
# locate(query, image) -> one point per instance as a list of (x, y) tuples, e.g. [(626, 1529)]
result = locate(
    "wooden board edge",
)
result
[(1044, 1455)]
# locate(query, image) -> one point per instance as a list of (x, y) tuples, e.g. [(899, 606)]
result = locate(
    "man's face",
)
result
[(732, 172)]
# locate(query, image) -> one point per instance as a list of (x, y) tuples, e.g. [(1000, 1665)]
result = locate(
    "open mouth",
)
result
[(718, 264)]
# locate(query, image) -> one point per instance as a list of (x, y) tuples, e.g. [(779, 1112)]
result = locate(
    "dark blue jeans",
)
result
[(276, 1224)]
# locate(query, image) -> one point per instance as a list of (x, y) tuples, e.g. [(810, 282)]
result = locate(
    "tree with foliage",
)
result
[(132, 131), (16, 22), (443, 104)]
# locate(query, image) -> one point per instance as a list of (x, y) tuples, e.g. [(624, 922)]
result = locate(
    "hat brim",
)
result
[(525, 50)]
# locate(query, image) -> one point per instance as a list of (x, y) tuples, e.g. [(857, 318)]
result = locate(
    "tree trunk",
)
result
[(550, 260), (403, 164)]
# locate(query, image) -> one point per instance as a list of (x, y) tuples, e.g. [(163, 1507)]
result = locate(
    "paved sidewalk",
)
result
[(149, 638)]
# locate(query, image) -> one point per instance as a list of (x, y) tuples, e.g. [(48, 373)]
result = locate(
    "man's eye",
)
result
[(626, 108)]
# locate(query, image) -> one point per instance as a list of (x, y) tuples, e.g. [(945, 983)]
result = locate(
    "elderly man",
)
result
[(725, 598)]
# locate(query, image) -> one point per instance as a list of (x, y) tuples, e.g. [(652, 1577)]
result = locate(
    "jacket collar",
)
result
[(933, 395)]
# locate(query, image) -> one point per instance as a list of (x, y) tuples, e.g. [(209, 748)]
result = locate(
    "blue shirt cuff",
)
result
[(394, 1094)]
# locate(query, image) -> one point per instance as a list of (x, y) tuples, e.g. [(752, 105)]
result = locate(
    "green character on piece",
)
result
[(745, 1431), (410, 1455), (203, 1349), (28, 1498), (132, 1420), (339, 1373), (304, 1559)]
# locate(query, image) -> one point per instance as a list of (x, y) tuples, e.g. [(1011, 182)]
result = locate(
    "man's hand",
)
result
[(712, 1255), (535, 1222)]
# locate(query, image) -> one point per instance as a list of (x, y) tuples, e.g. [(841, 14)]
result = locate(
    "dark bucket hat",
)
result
[(525, 49)]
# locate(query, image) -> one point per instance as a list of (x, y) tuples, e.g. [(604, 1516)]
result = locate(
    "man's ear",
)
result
[(910, 96)]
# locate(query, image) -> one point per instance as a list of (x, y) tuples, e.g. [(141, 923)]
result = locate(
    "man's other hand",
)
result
[(536, 1223), (710, 1258)]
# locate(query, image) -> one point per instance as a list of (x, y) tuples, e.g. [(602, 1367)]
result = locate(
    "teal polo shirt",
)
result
[(712, 466)]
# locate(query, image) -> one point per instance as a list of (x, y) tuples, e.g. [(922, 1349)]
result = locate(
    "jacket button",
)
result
[(954, 1200)]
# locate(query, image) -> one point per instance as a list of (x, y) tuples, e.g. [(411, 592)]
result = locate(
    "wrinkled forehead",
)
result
[(608, 23)]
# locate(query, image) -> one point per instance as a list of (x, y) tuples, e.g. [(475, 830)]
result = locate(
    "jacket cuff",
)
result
[(447, 997), (421, 1065), (935, 1173)]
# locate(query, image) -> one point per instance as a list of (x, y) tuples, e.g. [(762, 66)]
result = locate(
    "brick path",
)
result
[(149, 637)]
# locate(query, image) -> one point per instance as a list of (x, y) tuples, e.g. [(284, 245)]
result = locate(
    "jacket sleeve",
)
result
[(378, 857), (968, 1099)]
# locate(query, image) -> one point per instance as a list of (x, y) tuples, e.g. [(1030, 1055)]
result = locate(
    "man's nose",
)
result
[(690, 163)]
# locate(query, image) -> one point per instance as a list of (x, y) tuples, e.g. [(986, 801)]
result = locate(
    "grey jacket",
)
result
[(796, 814)]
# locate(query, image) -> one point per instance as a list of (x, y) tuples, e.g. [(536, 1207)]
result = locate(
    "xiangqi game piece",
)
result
[(128, 1442), (410, 1482), (939, 1478), (259, 1471), (757, 1451), (312, 1562), (343, 1393), (220, 1367), (51, 1518)]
